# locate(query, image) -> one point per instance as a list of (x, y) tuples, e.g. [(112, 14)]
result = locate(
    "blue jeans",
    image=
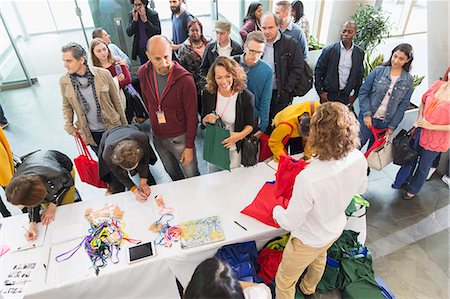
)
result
[(365, 134), (170, 150), (419, 175)]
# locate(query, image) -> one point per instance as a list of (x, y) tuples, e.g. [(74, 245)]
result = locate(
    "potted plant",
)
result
[(314, 51)]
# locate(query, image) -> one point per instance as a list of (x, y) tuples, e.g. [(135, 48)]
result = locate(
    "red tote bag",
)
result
[(264, 150), (86, 166), (380, 139), (288, 169), (271, 194)]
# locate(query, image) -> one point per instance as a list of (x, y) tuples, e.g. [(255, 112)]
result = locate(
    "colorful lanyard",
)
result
[(158, 98)]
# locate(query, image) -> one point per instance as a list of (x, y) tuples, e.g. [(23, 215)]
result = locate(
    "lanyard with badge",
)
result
[(159, 113)]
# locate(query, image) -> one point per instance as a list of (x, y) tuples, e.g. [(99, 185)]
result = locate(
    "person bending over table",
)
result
[(224, 284), (316, 212), (225, 94), (44, 179), (292, 122), (124, 157)]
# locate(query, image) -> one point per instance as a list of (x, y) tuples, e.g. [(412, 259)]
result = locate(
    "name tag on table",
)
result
[(161, 117)]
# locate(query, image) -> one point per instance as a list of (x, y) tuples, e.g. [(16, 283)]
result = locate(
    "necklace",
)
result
[(198, 46)]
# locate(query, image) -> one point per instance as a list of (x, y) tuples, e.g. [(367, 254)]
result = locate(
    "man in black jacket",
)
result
[(223, 46), (339, 70), (124, 155), (282, 53), (143, 23)]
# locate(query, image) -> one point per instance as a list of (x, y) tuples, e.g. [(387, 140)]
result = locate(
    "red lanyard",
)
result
[(226, 105), (158, 98)]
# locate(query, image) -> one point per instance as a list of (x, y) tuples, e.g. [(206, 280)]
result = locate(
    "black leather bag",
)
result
[(304, 83), (404, 153), (250, 147)]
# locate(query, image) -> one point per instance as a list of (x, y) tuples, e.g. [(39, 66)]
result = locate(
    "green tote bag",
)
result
[(214, 152)]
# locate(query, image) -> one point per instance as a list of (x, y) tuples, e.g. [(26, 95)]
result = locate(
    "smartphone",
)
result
[(141, 252)]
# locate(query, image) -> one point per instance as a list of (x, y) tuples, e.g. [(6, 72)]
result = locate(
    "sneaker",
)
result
[(430, 173), (446, 180), (3, 125)]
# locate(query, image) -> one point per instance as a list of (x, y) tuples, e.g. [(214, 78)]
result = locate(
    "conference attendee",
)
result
[(6, 169), (90, 94), (293, 122), (282, 53), (3, 120), (251, 20), (171, 98), (143, 23), (214, 278), (315, 215), (180, 19), (223, 46), (45, 179), (259, 78), (102, 57), (191, 52), (225, 97), (115, 50), (299, 17), (434, 136), (125, 155), (386, 93), (288, 27), (340, 69)]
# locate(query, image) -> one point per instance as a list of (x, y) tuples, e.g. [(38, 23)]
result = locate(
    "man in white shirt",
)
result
[(316, 212)]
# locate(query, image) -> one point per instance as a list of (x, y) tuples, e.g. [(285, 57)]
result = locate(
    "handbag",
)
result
[(381, 156), (288, 169), (86, 166), (136, 102), (250, 147), (403, 151), (213, 151)]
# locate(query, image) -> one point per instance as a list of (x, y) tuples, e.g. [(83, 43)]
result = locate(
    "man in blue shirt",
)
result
[(259, 77), (180, 19), (115, 50), (283, 13)]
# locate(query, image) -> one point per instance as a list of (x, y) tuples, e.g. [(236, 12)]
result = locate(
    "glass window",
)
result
[(396, 10), (418, 19), (229, 9)]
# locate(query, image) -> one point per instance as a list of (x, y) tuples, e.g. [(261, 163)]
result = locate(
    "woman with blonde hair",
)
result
[(226, 97), (316, 212)]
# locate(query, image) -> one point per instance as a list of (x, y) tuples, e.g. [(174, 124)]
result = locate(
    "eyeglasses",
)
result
[(254, 52), (138, 5)]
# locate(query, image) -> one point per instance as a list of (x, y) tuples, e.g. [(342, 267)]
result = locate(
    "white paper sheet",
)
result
[(18, 241), (76, 267)]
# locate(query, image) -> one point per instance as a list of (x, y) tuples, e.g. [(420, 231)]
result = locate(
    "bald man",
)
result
[(170, 95)]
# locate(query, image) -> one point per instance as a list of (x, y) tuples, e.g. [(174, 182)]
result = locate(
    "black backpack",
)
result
[(305, 83)]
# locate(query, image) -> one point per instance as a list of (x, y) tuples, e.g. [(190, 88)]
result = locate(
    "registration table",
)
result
[(223, 194)]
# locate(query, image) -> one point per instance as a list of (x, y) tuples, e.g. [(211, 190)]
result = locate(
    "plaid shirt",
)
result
[(304, 24)]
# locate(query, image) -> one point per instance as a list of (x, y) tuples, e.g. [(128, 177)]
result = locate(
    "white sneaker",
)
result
[(430, 173), (446, 180)]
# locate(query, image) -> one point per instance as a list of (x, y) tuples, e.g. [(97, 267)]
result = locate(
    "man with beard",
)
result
[(339, 70), (180, 19)]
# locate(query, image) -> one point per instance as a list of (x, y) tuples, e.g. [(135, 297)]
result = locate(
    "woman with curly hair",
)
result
[(316, 212), (225, 94)]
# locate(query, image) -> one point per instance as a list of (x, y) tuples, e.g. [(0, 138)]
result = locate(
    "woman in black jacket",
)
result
[(225, 96), (44, 179), (143, 23), (124, 155)]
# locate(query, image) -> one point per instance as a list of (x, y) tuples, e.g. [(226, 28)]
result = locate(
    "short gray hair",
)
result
[(256, 36), (77, 50)]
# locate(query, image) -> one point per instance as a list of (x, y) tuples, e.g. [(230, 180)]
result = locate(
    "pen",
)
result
[(240, 225), (25, 229), (45, 267)]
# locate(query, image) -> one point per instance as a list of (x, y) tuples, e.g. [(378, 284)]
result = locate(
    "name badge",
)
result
[(161, 117)]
